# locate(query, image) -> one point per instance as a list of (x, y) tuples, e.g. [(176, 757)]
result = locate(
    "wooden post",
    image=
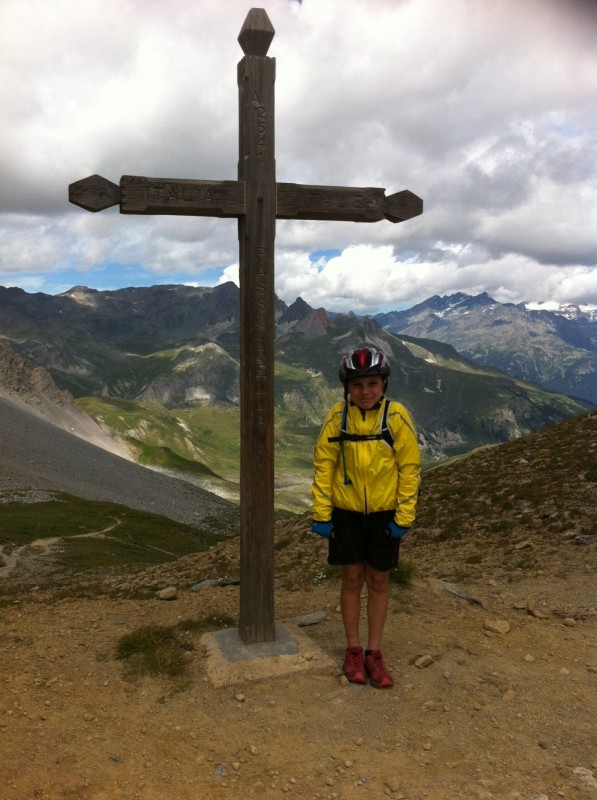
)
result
[(252, 199), (256, 234)]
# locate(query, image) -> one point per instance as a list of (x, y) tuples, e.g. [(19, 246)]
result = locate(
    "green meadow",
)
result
[(70, 532)]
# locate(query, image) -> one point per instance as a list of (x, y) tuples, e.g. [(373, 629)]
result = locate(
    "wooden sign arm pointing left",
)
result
[(199, 198)]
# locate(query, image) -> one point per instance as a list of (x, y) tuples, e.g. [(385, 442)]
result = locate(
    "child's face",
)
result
[(365, 392)]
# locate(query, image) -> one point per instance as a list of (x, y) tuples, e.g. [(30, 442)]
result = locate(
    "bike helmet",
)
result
[(362, 362)]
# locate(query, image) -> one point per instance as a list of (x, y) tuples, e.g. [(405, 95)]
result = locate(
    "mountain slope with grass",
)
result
[(49, 444), (36, 454), (32, 389)]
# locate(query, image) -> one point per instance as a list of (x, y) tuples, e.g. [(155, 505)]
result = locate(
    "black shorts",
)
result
[(361, 539)]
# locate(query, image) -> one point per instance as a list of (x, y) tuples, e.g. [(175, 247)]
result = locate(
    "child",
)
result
[(367, 472)]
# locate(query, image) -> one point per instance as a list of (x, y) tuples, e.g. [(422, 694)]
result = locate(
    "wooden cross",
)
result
[(256, 200)]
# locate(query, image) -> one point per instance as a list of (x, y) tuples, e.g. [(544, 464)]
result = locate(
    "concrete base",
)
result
[(230, 661)]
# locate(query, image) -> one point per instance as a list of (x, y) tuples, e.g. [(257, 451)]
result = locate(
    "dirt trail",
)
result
[(29, 555)]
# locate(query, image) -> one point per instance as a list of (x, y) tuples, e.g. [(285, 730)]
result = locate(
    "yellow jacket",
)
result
[(382, 478)]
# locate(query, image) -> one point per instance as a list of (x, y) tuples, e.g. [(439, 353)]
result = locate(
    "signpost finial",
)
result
[(256, 33)]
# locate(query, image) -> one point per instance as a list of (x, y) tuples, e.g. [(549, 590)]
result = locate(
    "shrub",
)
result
[(153, 649)]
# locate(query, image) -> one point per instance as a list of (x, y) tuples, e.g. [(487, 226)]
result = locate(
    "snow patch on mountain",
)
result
[(567, 310)]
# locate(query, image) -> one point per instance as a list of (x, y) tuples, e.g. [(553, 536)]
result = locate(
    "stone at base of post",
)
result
[(230, 661)]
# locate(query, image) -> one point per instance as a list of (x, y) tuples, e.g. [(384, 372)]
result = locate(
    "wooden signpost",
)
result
[(256, 200)]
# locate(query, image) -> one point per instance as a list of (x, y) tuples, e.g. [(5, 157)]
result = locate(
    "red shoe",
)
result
[(354, 665), (379, 677)]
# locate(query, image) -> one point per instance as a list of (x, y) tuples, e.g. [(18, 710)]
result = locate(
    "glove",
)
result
[(322, 529), (396, 531)]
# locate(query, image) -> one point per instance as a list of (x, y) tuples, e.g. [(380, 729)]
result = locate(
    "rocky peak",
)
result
[(20, 378), (315, 323), (296, 311)]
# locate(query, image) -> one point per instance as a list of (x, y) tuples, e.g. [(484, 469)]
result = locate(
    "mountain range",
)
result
[(136, 354), (555, 349)]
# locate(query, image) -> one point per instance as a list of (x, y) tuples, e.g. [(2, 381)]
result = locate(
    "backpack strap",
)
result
[(384, 433)]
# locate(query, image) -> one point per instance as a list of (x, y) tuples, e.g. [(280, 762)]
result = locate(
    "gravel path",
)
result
[(35, 454)]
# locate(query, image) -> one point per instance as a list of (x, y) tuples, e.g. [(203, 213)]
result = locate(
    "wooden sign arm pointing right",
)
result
[(197, 198), (297, 201)]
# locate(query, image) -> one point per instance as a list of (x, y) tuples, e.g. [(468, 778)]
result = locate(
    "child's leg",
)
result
[(353, 578), (377, 605)]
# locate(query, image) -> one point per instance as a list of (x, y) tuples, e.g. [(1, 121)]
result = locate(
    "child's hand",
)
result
[(324, 529), (396, 531)]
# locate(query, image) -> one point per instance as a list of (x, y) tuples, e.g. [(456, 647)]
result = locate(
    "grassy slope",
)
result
[(204, 442), (95, 534)]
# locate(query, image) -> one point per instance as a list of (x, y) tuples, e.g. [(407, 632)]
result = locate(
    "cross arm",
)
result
[(298, 201), (138, 195)]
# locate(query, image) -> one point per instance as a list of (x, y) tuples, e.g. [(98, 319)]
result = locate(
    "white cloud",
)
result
[(366, 278), (486, 110)]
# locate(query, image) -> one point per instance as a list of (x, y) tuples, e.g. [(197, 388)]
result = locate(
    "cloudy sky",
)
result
[(484, 108)]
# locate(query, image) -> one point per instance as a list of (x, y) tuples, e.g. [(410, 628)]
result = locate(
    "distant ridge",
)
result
[(556, 349)]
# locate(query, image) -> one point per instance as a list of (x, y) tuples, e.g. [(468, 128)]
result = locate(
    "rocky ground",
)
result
[(492, 649), (494, 694)]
